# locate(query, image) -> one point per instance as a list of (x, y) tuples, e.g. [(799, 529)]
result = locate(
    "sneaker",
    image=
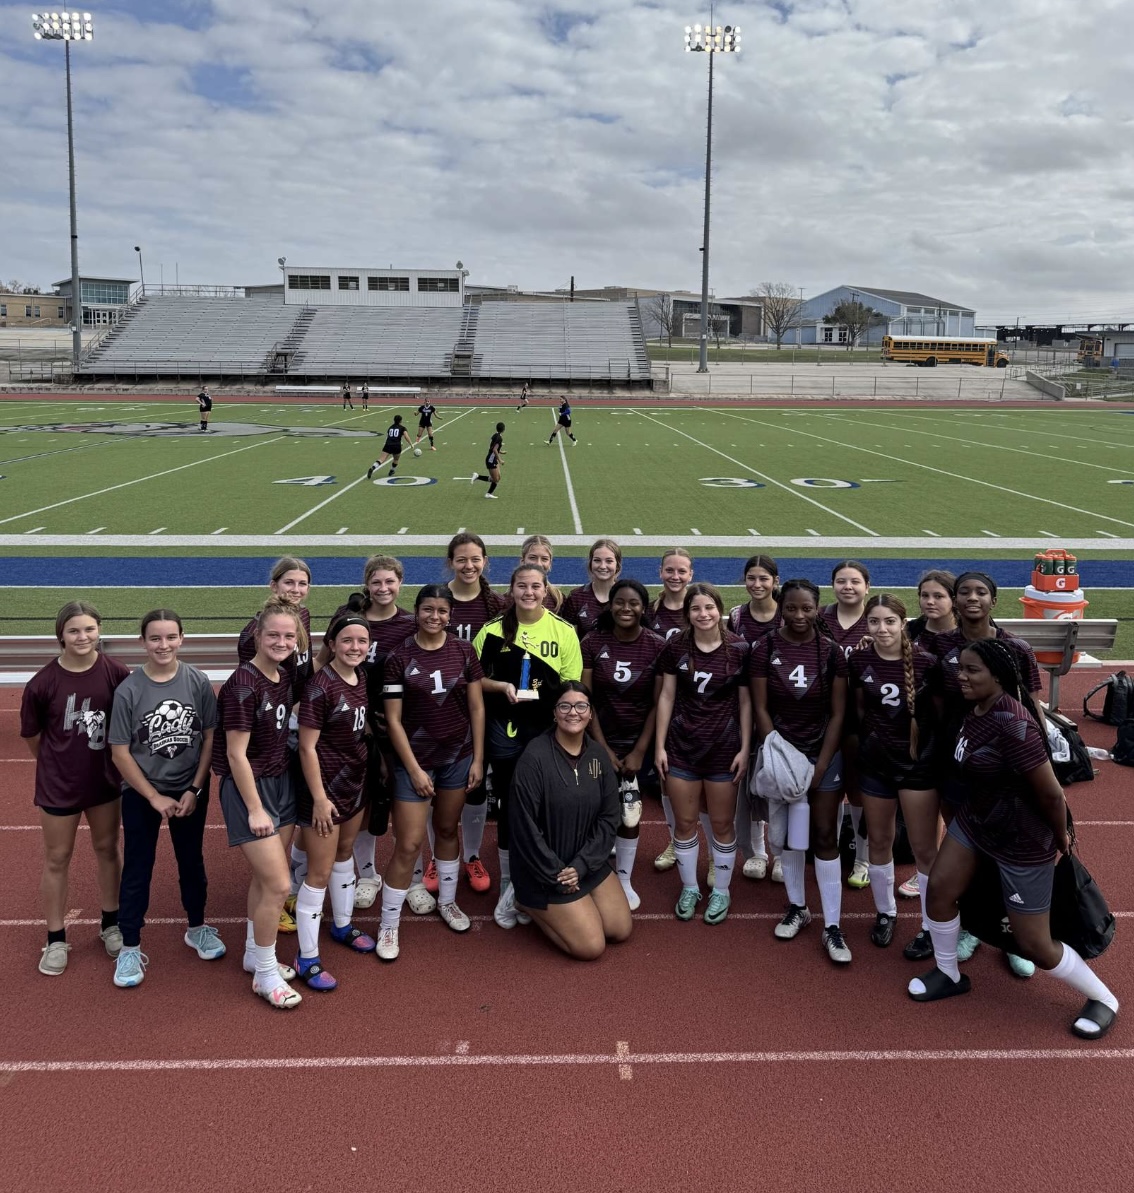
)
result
[(756, 868), (455, 917), (505, 911), (130, 968), (687, 902), (289, 905), (366, 890), (282, 997), (431, 882), (859, 876), (777, 870), (313, 975), (287, 922), (967, 944), (795, 920), (420, 901), (477, 875), (920, 948), (835, 944), (882, 934), (911, 888), (53, 960), (387, 946), (490, 496), (287, 974), (711, 877), (353, 939), (432, 448), (205, 940), (667, 859), (112, 940), (370, 471), (716, 912), (1021, 966)]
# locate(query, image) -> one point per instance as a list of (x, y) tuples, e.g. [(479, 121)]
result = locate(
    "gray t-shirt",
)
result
[(163, 724)]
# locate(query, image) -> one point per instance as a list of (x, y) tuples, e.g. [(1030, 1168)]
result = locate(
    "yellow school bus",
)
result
[(1090, 352), (930, 351)]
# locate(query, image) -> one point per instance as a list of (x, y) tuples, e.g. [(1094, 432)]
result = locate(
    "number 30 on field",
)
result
[(804, 482)]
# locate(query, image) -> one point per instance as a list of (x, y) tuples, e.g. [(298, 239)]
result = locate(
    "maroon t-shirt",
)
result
[(949, 646), (664, 621), (885, 727), (250, 703), (338, 710), (622, 681), (582, 609), (704, 730), (298, 666), (994, 753), (847, 638), (70, 713), (741, 622), (433, 686), (466, 618), (801, 677)]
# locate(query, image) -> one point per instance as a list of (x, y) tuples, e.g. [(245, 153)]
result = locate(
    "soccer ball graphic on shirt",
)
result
[(169, 728)]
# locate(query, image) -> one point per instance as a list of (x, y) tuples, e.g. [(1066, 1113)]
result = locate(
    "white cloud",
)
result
[(978, 152)]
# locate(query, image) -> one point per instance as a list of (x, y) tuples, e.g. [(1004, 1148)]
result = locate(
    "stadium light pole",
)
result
[(712, 40), (141, 268), (68, 27)]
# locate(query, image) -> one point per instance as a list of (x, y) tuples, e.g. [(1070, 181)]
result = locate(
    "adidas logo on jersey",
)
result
[(868, 679), (1014, 898), (776, 661), (413, 669), (605, 655)]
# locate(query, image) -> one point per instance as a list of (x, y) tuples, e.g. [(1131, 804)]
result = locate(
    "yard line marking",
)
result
[(763, 475), (342, 530), (637, 530), (1106, 534), (972, 480), (219, 531), (97, 530), (141, 479), (1015, 428), (751, 530), (814, 532), (37, 529), (403, 530), (519, 530), (993, 535), (159, 530), (695, 530), (570, 487), (932, 534), (1048, 535)]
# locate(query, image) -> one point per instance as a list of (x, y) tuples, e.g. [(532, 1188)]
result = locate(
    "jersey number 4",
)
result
[(798, 676)]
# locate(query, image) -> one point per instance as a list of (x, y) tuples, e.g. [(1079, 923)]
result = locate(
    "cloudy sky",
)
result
[(981, 151)]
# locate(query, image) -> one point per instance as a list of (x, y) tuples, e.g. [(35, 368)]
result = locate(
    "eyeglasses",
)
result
[(580, 706)]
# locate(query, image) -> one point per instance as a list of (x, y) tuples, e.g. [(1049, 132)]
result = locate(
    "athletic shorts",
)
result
[(275, 794), (888, 786), (1026, 889), (342, 809), (425, 426), (833, 779), (445, 778), (98, 803), (565, 422), (490, 461), (392, 449), (689, 775)]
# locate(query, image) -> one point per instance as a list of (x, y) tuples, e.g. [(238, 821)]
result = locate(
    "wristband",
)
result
[(196, 792)]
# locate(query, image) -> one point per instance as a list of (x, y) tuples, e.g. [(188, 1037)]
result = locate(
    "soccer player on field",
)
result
[(426, 413), (583, 606), (396, 436), (204, 406), (492, 461), (524, 396), (563, 423), (346, 396)]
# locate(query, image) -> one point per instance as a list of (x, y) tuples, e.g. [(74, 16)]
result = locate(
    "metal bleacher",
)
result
[(379, 342)]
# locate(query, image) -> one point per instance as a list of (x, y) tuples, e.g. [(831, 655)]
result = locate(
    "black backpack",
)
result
[(1123, 752), (1118, 703)]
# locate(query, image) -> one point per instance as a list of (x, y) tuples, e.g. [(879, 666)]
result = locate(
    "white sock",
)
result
[(625, 851), (793, 862), (505, 868), (447, 881), (472, 829), (431, 837), (267, 967), (1079, 976), (724, 862), (759, 849), (297, 864), (829, 876), (667, 812), (364, 854), (945, 935), (418, 872), (923, 890), (882, 885), (687, 861), (392, 900), (342, 892), (308, 916), (249, 937), (861, 853)]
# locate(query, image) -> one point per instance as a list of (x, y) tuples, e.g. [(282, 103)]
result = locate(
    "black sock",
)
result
[(59, 937), (492, 487), (484, 478), (204, 425), (430, 440), (572, 437), (109, 919)]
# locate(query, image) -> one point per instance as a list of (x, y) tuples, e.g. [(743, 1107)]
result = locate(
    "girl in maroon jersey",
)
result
[(845, 620), (435, 714), (704, 732), (64, 718), (329, 804), (251, 759), (1015, 814), (886, 679), (583, 606), (620, 667), (537, 549), (759, 615), (389, 626), (473, 604), (799, 689)]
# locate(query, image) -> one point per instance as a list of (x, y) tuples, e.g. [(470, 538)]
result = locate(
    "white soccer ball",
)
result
[(417, 451)]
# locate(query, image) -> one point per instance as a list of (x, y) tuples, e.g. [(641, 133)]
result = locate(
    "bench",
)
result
[(338, 389), (1064, 637), (22, 657)]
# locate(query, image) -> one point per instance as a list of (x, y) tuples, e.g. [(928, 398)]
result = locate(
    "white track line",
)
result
[(576, 520), (140, 480), (972, 480)]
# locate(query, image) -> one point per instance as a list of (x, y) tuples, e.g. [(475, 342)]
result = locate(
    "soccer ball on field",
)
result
[(417, 451)]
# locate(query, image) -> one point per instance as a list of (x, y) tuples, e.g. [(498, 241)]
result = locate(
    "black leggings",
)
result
[(503, 770)]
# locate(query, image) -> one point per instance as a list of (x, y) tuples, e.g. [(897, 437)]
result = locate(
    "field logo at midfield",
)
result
[(191, 430)]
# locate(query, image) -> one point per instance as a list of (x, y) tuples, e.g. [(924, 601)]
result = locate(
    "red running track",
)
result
[(691, 1057)]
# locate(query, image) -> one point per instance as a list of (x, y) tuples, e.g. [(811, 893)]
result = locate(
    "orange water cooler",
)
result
[(1054, 594)]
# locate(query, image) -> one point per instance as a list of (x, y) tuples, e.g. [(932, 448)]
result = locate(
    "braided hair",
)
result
[(985, 579), (1000, 659), (822, 630), (886, 600)]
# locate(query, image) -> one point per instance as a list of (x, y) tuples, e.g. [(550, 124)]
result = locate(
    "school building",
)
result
[(904, 312)]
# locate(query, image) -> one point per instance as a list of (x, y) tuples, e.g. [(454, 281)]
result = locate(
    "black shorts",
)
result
[(565, 421), (427, 425), (392, 448), (491, 461)]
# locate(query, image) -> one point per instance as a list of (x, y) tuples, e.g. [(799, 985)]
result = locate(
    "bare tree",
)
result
[(782, 308), (15, 286), (856, 317), (660, 310), (719, 325)]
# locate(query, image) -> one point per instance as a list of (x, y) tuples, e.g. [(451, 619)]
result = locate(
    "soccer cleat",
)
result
[(795, 920), (755, 868), (111, 940), (53, 960), (477, 875), (431, 882), (882, 934), (370, 471), (282, 997), (432, 448), (455, 917), (835, 944), (287, 923), (687, 902), (366, 890), (967, 944), (1021, 966), (130, 968), (387, 948), (207, 943), (289, 905), (313, 975), (504, 912), (920, 948), (352, 938), (911, 888), (859, 876), (419, 900), (491, 496), (667, 859), (716, 911)]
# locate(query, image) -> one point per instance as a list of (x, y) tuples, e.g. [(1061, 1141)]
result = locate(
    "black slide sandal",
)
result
[(1096, 1012), (939, 985)]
